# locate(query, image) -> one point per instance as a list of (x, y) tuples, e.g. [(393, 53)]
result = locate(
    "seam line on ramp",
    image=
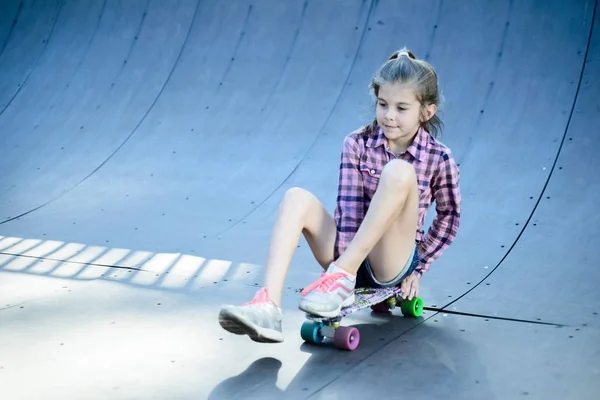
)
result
[(12, 28), (134, 268), (467, 314), (175, 64), (35, 64), (550, 174), (320, 132), (88, 263)]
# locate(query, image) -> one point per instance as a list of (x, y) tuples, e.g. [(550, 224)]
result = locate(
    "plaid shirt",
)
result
[(363, 158)]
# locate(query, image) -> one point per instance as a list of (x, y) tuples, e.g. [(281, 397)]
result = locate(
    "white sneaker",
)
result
[(328, 295)]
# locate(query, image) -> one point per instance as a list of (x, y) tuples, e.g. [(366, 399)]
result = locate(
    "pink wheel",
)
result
[(346, 338), (382, 307)]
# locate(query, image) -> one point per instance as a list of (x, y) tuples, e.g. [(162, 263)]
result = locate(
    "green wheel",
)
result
[(310, 332), (412, 308)]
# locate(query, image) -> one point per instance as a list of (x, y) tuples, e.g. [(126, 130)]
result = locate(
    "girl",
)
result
[(390, 173)]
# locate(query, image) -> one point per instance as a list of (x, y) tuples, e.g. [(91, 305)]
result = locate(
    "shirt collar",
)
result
[(415, 149)]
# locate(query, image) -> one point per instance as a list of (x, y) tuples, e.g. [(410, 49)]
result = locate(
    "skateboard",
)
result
[(381, 300)]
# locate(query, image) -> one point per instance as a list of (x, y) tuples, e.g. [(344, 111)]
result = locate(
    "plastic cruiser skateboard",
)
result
[(318, 328)]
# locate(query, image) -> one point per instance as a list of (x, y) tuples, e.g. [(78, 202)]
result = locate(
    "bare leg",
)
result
[(300, 212), (387, 233), (386, 236)]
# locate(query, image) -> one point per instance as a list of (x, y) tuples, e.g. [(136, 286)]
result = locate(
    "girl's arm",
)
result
[(349, 211), (446, 192)]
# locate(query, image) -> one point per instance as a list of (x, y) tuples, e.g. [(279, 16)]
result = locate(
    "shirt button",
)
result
[(373, 171)]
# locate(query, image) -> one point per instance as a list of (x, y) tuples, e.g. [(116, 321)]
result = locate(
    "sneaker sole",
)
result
[(330, 314), (235, 324)]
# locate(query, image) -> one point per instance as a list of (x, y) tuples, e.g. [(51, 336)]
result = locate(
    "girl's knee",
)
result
[(297, 198), (398, 174)]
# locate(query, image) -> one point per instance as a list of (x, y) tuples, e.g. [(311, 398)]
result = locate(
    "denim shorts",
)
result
[(366, 278)]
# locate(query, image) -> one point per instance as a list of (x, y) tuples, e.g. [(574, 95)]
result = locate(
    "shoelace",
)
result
[(261, 297), (323, 283)]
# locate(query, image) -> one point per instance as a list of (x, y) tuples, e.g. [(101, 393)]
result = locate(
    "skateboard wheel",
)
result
[(382, 307), (346, 338), (392, 301), (412, 308), (310, 332)]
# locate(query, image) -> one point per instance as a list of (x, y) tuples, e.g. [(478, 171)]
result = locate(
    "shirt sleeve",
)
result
[(446, 192), (349, 211)]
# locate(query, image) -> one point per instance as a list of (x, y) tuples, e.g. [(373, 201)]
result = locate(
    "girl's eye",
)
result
[(401, 108), (381, 105)]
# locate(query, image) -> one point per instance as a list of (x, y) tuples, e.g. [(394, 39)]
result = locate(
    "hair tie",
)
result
[(403, 52)]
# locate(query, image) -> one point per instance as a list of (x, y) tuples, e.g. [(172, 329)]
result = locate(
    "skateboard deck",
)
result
[(316, 328), (367, 297)]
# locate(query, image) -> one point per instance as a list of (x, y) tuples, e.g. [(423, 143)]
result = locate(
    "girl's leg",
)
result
[(300, 212), (386, 236)]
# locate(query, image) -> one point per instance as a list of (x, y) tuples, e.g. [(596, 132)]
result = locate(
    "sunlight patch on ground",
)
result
[(22, 245), (52, 247), (174, 271), (87, 255), (6, 242), (41, 267), (244, 271), (214, 271), (112, 256), (183, 271), (15, 263), (93, 342)]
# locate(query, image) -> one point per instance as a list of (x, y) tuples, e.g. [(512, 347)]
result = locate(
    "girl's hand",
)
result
[(410, 286)]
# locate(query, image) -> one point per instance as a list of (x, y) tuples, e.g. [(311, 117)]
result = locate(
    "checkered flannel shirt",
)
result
[(363, 158)]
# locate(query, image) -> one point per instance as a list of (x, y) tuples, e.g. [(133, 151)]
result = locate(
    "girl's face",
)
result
[(399, 112)]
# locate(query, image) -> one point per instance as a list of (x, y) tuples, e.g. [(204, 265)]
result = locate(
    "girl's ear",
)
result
[(428, 112)]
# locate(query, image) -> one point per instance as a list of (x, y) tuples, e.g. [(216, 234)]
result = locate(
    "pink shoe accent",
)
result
[(327, 282), (262, 296)]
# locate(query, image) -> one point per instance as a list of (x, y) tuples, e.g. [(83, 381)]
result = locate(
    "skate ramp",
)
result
[(145, 147)]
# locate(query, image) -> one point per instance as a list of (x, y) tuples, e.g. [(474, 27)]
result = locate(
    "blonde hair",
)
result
[(404, 67)]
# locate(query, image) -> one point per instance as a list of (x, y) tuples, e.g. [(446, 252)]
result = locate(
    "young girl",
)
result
[(390, 173)]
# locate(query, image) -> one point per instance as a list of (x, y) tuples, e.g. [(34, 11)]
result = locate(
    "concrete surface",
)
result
[(146, 144)]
